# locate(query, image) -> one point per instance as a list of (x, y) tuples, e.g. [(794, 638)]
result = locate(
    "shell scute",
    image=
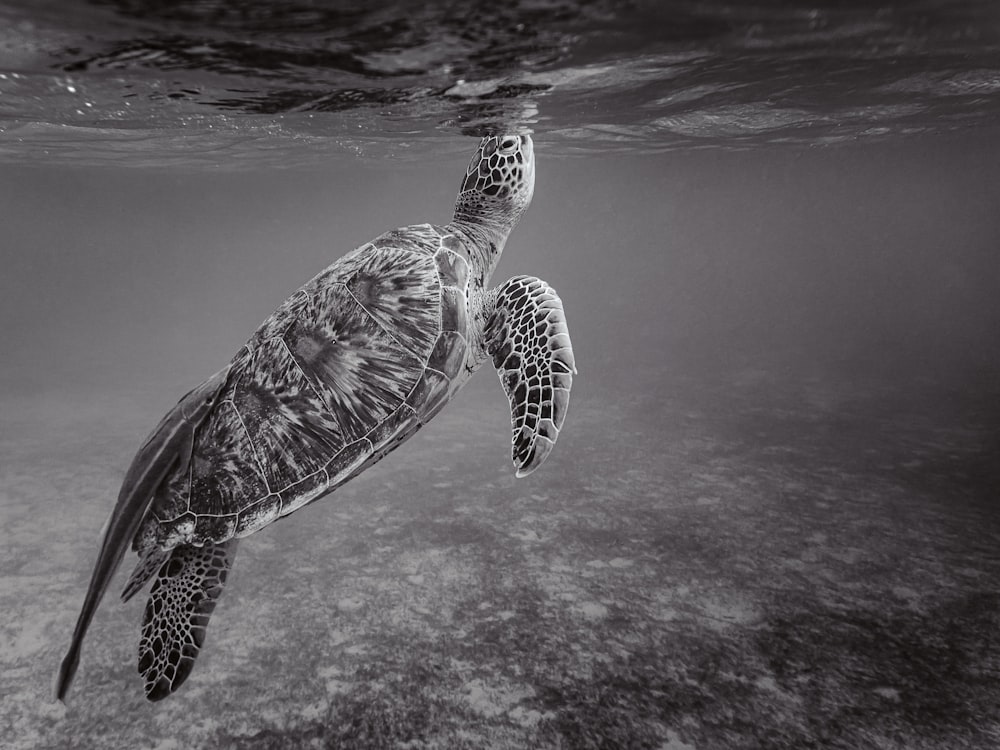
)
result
[(280, 319), (457, 245), (428, 394), (419, 238), (389, 427), (349, 459), (358, 369), (454, 311), (171, 500), (400, 291), (179, 531), (260, 514), (225, 475), (216, 527), (287, 422), (449, 354), (453, 269)]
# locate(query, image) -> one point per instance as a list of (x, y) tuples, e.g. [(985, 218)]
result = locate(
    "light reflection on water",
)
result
[(223, 83)]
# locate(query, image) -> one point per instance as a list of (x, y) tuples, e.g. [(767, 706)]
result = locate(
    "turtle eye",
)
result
[(508, 144)]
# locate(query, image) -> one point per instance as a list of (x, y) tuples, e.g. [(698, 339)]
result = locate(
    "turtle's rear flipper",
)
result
[(166, 449), (180, 603), (528, 339), (147, 566)]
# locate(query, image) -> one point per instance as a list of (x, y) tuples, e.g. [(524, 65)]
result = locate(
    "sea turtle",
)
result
[(344, 371)]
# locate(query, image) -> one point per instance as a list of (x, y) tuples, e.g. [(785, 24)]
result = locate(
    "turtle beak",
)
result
[(528, 154), (527, 148)]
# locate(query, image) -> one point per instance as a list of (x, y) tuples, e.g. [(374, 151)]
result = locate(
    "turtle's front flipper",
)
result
[(527, 338), (180, 603)]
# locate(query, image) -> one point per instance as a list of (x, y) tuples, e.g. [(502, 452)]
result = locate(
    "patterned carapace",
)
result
[(344, 371)]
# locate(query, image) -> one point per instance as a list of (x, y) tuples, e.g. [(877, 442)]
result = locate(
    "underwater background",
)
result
[(771, 520)]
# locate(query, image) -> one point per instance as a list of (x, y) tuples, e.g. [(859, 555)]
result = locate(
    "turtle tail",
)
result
[(169, 444)]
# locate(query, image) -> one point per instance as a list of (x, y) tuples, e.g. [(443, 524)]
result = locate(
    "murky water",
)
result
[(771, 518)]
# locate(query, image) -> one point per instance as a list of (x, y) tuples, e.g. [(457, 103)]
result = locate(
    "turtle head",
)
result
[(498, 183)]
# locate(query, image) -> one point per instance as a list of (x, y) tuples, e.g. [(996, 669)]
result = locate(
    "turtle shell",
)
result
[(341, 373)]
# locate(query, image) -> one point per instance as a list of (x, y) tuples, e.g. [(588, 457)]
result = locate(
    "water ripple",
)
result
[(204, 81)]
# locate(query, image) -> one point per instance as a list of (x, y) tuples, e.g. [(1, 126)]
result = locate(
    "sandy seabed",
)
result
[(752, 563)]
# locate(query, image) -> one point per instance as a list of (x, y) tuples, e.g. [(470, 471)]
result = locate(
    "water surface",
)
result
[(211, 82)]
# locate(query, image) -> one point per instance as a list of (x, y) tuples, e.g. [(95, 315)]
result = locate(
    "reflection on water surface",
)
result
[(233, 82)]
